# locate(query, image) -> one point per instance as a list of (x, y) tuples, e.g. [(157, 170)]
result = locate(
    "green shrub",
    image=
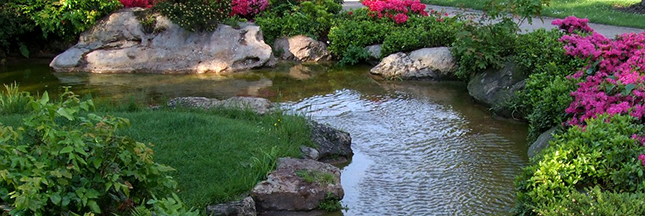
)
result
[(65, 19), (310, 18), (602, 154), (547, 91), (166, 206), (14, 26), (63, 161), (359, 30), (196, 15), (597, 202), (478, 48)]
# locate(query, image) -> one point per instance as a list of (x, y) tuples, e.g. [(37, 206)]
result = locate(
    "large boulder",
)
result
[(297, 185), (333, 145), (542, 142), (118, 44), (427, 63), (258, 105), (244, 207), (494, 88), (302, 48)]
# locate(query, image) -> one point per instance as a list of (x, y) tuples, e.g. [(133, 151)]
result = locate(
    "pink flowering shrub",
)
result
[(572, 23), (613, 80), (397, 10), (248, 8), (137, 3)]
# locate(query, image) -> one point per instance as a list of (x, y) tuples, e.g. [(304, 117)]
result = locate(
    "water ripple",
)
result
[(416, 157)]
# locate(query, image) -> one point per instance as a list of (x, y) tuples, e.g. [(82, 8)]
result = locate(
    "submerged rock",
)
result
[(427, 63), (118, 44), (302, 48), (333, 144), (258, 105), (494, 88), (286, 189), (244, 207)]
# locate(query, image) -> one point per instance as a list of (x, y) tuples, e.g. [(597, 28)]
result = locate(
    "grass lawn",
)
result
[(597, 11), (219, 155)]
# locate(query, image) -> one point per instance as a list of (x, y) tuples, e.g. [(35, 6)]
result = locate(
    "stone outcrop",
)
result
[(118, 44), (493, 88), (244, 207), (374, 52), (258, 105), (285, 190), (427, 63), (302, 48), (332, 143), (542, 142)]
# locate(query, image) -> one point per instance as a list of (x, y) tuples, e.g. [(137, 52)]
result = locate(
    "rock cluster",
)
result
[(118, 44), (427, 63)]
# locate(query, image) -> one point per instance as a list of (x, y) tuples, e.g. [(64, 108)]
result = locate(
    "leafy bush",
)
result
[(481, 47), (14, 26), (357, 29), (65, 19), (165, 206), (310, 18), (596, 202), (196, 15), (62, 162), (602, 154), (547, 91)]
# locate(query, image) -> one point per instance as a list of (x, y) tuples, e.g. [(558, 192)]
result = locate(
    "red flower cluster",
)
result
[(137, 3), (397, 10), (248, 8)]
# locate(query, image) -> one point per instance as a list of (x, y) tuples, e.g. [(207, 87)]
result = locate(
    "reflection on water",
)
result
[(421, 148)]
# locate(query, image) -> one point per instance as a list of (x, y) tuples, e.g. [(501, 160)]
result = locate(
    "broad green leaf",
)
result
[(66, 149), (44, 99), (67, 113), (56, 199), (93, 206)]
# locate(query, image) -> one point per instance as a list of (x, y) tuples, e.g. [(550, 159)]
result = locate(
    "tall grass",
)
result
[(13, 101)]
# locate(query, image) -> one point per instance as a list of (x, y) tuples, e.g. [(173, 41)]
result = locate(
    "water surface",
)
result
[(421, 148)]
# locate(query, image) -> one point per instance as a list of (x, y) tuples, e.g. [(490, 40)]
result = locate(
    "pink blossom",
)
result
[(400, 18)]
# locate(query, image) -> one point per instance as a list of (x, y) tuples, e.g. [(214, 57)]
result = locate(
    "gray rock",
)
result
[(332, 143), (244, 207), (427, 63), (258, 105), (117, 44), (302, 48), (374, 52), (284, 190), (542, 142), (309, 153), (494, 88)]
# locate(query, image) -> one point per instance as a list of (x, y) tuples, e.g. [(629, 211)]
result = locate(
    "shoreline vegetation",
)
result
[(216, 155)]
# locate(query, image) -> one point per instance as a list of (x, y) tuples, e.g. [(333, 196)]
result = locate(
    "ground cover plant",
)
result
[(210, 156), (597, 11), (603, 146)]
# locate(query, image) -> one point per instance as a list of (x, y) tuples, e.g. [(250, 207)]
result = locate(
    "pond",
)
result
[(421, 148)]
